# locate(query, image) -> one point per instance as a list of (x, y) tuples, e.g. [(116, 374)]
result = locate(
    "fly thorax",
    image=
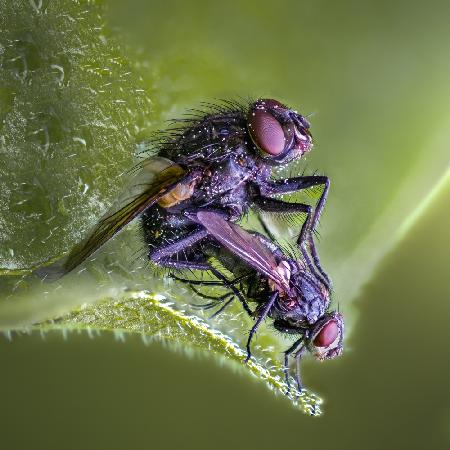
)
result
[(305, 303), (227, 176), (314, 304)]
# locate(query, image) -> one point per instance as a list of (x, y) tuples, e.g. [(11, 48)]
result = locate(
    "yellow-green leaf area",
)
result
[(154, 317)]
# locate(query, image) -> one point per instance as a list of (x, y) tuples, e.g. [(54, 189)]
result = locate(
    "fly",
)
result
[(285, 290), (222, 159)]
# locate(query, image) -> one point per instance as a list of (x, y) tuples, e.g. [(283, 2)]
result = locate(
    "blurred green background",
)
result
[(373, 76)]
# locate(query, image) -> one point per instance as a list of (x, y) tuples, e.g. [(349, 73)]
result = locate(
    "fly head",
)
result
[(280, 133), (326, 338)]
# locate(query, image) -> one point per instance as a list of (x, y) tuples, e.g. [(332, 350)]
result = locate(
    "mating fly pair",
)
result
[(218, 163)]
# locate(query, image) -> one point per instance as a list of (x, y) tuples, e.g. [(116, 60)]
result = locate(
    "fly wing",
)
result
[(145, 175), (157, 177), (242, 244)]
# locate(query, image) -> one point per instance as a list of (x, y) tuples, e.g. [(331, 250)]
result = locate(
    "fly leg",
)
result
[(162, 256), (305, 237), (294, 347), (274, 205), (306, 233), (298, 357), (230, 285), (208, 282), (290, 185), (217, 299), (261, 317)]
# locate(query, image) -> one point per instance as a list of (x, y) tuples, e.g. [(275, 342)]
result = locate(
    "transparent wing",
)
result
[(243, 244), (157, 177)]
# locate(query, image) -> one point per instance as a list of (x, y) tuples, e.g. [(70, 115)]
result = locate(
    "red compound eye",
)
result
[(265, 130), (327, 335)]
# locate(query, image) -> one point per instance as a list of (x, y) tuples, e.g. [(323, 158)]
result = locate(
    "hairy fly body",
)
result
[(284, 289), (220, 161)]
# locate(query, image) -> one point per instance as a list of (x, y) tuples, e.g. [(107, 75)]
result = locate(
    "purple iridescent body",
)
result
[(287, 290), (228, 157), (218, 160), (204, 173)]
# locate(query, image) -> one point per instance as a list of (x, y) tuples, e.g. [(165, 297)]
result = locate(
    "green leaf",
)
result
[(153, 317), (73, 108), (70, 110)]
